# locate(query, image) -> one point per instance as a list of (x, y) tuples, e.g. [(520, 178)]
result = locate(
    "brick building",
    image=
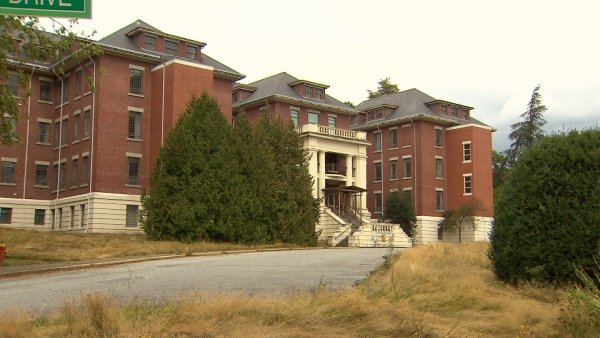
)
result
[(431, 150), (86, 155)]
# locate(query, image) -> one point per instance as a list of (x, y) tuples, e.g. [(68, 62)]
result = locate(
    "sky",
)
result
[(485, 54)]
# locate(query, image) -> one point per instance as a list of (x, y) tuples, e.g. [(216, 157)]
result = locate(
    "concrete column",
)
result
[(349, 167), (361, 177), (321, 174), (312, 169)]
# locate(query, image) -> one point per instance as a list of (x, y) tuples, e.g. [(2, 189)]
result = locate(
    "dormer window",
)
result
[(307, 92), (191, 52), (150, 42), (236, 97), (454, 112), (444, 110), (319, 93), (171, 47)]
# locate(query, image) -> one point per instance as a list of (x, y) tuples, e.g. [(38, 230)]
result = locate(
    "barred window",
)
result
[(5, 215), (41, 175), (407, 169), (85, 170), (39, 217), (135, 125), (131, 216), (44, 132), (45, 90), (133, 176), (86, 123), (76, 123), (8, 172), (135, 81), (13, 84), (75, 173)]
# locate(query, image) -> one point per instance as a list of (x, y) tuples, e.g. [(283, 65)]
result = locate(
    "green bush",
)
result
[(547, 215), (399, 209)]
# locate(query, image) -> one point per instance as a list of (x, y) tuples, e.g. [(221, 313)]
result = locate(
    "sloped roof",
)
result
[(280, 85), (411, 103), (121, 40)]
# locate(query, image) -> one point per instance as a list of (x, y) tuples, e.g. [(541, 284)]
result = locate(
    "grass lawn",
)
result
[(445, 290), (34, 247)]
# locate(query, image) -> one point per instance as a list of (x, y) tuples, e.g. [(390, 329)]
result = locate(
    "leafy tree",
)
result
[(529, 131), (23, 41), (385, 87), (546, 215), (500, 168), (400, 210), (459, 219), (350, 104)]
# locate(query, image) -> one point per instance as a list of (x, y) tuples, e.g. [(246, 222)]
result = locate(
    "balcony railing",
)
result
[(334, 168), (325, 130)]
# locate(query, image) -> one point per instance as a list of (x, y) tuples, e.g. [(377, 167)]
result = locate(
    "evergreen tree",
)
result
[(296, 211), (385, 87), (500, 168), (190, 192), (399, 210), (529, 131), (547, 218)]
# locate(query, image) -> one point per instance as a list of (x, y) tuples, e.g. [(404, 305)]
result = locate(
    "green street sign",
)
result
[(52, 8)]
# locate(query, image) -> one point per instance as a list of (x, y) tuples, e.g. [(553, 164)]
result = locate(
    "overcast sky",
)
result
[(485, 54)]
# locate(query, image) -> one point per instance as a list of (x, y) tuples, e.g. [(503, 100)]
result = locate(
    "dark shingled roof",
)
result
[(120, 40), (279, 85), (411, 103)]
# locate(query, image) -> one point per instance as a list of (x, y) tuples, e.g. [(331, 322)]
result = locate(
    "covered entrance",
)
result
[(346, 203)]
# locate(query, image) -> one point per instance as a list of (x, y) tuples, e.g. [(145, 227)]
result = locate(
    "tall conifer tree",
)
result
[(529, 131)]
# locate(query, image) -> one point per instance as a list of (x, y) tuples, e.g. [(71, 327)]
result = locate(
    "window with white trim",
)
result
[(393, 138), (294, 114), (331, 121), (439, 200), (378, 202), (76, 123), (313, 117), (438, 137), (135, 125), (393, 169), (8, 171), (133, 170), (41, 175), (439, 168), (43, 132), (45, 90), (407, 167), (378, 172), (75, 173), (468, 184), (5, 215), (467, 151), (86, 123), (39, 217)]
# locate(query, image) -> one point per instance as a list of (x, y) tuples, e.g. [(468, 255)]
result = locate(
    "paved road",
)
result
[(276, 272)]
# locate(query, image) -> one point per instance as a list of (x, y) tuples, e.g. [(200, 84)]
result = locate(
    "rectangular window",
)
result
[(86, 123), (57, 133), (407, 169), (41, 175), (407, 194), (13, 127), (135, 125), (63, 132), (39, 217), (60, 217), (377, 141), (150, 42), (439, 168), (235, 97), (444, 110), (133, 172), (294, 113), (454, 112), (394, 138), (331, 121), (76, 123), (85, 170), (72, 222), (75, 173), (78, 80), (466, 115), (44, 132), (63, 175), (407, 136), (393, 169), (135, 81), (313, 118), (191, 52), (8, 172), (65, 90), (439, 197), (12, 84), (82, 215), (131, 216), (5, 215), (378, 202), (378, 172), (55, 173), (307, 91), (370, 115), (319, 93), (171, 47), (45, 90), (438, 137), (467, 152), (468, 183)]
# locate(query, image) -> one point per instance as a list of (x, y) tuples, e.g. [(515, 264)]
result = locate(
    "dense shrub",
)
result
[(547, 216), (399, 209)]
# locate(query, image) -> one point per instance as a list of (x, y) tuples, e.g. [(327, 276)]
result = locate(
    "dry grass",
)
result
[(30, 247), (429, 291)]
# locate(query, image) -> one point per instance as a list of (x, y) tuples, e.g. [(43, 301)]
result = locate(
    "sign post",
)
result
[(52, 8)]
